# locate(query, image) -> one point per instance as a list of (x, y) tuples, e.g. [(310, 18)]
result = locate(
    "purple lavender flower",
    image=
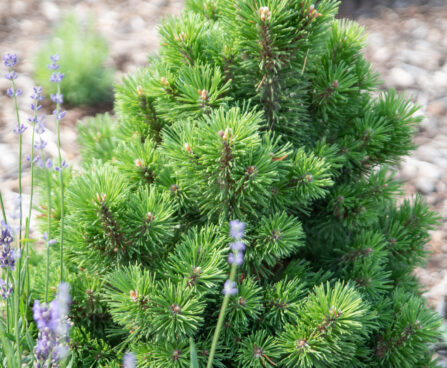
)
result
[(36, 107), (49, 241), (6, 234), (37, 94), (237, 229), (11, 75), (236, 258), (41, 144), (57, 77), (40, 128), (10, 60), (237, 246), (129, 360), (5, 289), (53, 66), (53, 325), (49, 163), (8, 257), (57, 98), (229, 288), (54, 58), (20, 129), (64, 165), (59, 115), (11, 93)]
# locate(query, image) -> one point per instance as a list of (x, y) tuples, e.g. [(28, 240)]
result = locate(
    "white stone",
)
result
[(50, 10), (401, 78)]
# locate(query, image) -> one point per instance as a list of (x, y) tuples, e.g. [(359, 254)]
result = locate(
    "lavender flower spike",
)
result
[(53, 327), (229, 288), (129, 360)]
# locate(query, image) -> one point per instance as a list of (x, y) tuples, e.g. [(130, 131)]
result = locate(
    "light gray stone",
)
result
[(401, 78)]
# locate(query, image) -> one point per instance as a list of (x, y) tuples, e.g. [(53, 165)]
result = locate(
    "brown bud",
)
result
[(140, 91), (309, 178), (301, 344), (176, 309), (164, 81), (227, 134), (264, 13), (150, 216), (335, 84), (203, 94), (174, 188), (139, 163), (176, 354), (221, 133), (133, 296), (188, 148), (250, 170), (258, 352)]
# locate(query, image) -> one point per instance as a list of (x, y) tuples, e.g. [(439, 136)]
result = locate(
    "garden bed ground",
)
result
[(407, 45)]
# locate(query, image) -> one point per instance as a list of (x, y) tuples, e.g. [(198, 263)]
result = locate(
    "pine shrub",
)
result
[(265, 112)]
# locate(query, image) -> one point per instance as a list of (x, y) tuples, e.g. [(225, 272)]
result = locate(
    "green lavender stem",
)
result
[(47, 281), (3, 209), (61, 177), (220, 320), (28, 223), (17, 287)]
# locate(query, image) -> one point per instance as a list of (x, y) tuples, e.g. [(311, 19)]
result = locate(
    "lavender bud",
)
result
[(54, 58), (57, 77), (129, 360), (59, 115), (41, 144), (53, 66), (10, 92), (11, 75), (229, 288), (5, 289), (10, 60), (57, 98), (237, 229), (236, 259), (49, 163), (36, 107), (237, 246), (37, 95), (21, 129)]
